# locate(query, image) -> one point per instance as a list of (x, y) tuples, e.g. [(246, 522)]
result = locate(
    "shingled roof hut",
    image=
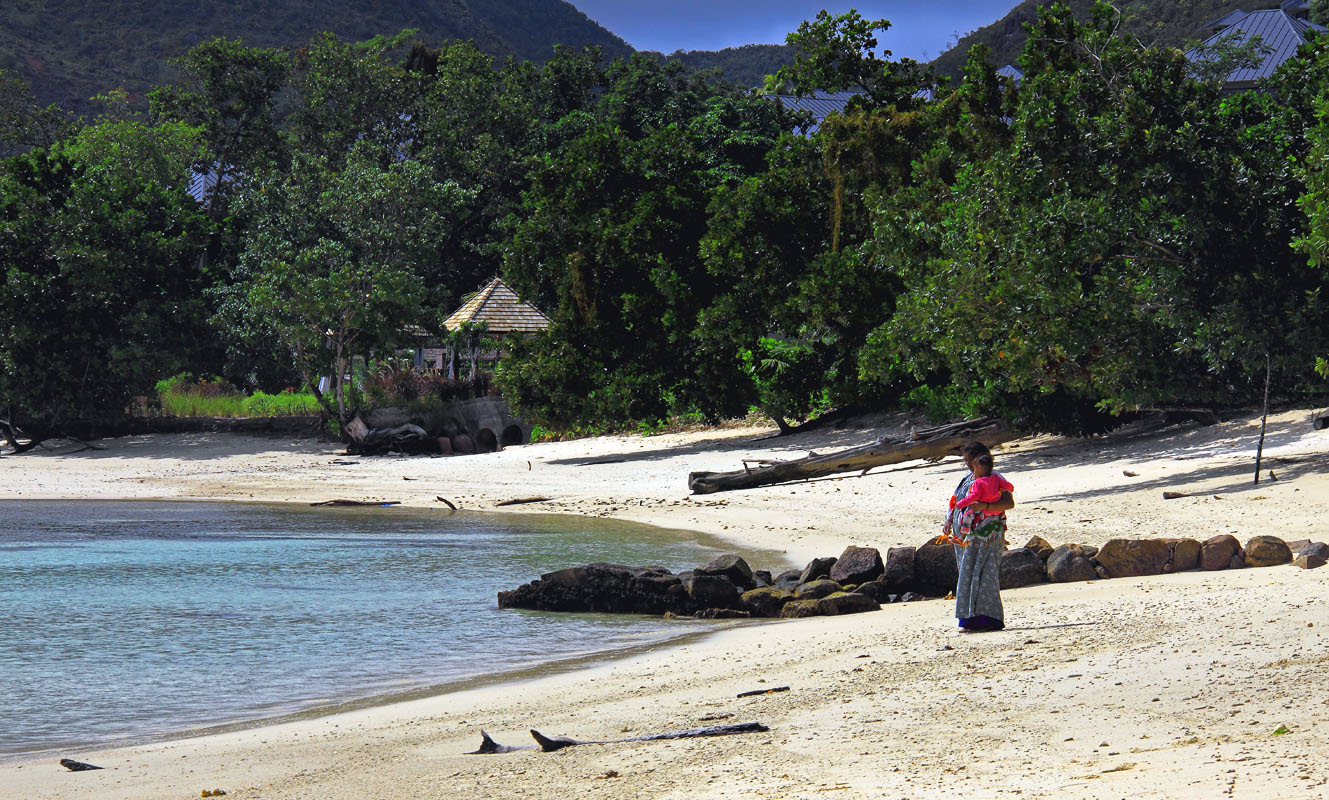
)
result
[(501, 310), (498, 308)]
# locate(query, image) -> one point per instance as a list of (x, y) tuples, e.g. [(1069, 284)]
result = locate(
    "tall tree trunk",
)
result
[(340, 385)]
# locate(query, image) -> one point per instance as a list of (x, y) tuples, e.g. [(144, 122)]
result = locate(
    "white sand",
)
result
[(1167, 687)]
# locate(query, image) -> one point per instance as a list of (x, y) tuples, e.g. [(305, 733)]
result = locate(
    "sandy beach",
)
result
[(1192, 685)]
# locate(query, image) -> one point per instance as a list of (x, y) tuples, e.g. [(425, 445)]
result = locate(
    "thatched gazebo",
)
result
[(500, 311)]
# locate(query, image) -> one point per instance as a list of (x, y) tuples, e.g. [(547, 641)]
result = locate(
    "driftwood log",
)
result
[(922, 443), (12, 432), (550, 744), (409, 439)]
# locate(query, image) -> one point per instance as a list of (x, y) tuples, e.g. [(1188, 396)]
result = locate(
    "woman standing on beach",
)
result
[(978, 590)]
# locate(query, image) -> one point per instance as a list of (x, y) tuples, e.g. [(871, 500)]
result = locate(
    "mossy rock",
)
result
[(796, 609), (766, 601)]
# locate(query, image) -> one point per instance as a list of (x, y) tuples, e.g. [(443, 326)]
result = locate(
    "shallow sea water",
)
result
[(128, 621)]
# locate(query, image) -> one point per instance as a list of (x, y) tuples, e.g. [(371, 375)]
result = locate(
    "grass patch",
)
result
[(183, 396)]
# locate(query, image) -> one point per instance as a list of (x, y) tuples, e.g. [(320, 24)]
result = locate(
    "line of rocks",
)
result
[(860, 580)]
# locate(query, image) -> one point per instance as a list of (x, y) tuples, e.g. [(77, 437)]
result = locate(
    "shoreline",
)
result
[(478, 682), (1182, 678), (352, 698)]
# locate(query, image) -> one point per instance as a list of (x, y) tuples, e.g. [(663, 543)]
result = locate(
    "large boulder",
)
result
[(1219, 551), (846, 603), (712, 591), (935, 570), (877, 590), (857, 565), (1314, 549), (1129, 558), (795, 609), (815, 590), (789, 578), (766, 601), (1309, 561), (816, 569), (1022, 567), (1305, 547), (1068, 563), (1185, 555), (1267, 551), (612, 588), (1040, 546), (899, 571), (731, 567)]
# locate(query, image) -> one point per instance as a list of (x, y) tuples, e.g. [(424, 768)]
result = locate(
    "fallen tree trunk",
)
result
[(408, 439), (11, 432), (928, 443)]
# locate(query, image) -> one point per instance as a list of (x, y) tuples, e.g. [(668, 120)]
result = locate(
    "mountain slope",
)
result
[(72, 49), (1157, 22)]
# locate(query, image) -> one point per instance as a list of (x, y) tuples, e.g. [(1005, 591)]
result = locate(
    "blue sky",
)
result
[(919, 30)]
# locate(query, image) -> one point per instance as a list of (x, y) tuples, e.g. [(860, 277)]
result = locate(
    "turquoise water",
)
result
[(126, 621)]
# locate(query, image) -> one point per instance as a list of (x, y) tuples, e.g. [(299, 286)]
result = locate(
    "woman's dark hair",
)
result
[(975, 449)]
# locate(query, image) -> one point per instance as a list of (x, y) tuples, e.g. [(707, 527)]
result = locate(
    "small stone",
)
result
[(77, 766)]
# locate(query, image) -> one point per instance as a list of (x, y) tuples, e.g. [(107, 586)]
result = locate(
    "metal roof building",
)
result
[(500, 309), (1278, 30), (819, 104)]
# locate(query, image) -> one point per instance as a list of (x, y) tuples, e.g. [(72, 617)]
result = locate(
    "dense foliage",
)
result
[(1110, 234)]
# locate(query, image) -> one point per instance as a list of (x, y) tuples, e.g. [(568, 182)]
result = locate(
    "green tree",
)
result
[(122, 142), (231, 92), (610, 244), (332, 262), (1127, 248), (23, 123), (343, 93), (1320, 12), (98, 298), (839, 53)]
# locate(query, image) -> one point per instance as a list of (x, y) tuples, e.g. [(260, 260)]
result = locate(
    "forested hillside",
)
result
[(1162, 22), (70, 50), (747, 65)]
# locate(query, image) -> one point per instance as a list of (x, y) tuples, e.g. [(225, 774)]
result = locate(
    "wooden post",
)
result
[(1264, 420)]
